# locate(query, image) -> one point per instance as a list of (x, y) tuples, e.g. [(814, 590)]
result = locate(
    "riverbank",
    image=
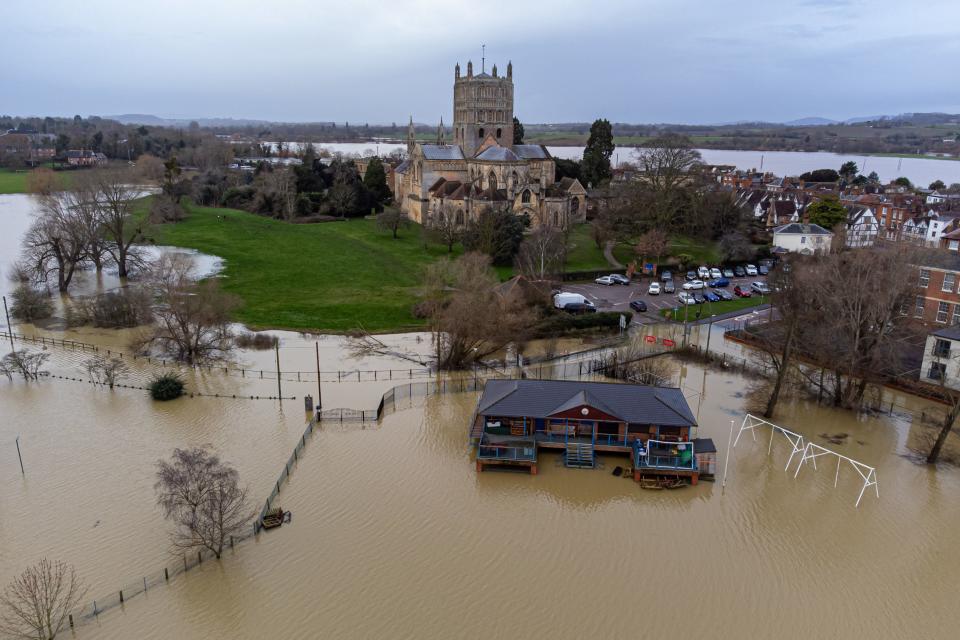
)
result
[(13, 181)]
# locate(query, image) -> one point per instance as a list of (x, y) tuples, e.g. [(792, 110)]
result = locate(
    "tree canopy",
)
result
[(849, 170), (375, 182), (827, 213), (820, 175), (595, 167), (517, 131), (937, 184)]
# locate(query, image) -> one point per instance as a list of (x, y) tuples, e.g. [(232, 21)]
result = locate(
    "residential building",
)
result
[(941, 358), (85, 158), (806, 239), (938, 289)]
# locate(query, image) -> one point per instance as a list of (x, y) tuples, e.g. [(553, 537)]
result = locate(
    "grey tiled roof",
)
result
[(542, 398), (497, 154), (402, 167), (808, 229), (531, 151), (441, 152), (950, 333)]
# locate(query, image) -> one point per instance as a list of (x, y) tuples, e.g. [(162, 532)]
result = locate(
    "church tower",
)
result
[(482, 106)]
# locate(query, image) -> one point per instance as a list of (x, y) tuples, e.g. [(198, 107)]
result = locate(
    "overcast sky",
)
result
[(637, 61)]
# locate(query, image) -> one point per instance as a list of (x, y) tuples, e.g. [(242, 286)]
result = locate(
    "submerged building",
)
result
[(652, 425), (482, 167)]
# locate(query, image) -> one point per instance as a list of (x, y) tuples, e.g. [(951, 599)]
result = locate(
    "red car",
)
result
[(741, 292)]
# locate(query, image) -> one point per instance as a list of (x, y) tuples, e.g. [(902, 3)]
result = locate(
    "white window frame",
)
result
[(953, 282), (924, 278), (943, 311), (918, 306)]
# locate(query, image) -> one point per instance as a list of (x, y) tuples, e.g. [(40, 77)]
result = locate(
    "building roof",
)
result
[(805, 229), (531, 151), (543, 398), (497, 154), (950, 333), (442, 152), (403, 166)]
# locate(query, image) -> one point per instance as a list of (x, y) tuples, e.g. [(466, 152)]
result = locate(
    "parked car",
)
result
[(654, 288), (668, 287), (607, 280), (724, 294), (739, 271), (710, 296), (577, 308), (703, 272), (686, 298), (728, 273), (741, 292), (719, 283), (563, 298), (751, 270), (665, 276), (691, 275), (693, 284), (638, 305), (760, 287), (619, 279), (699, 299), (763, 270), (715, 273)]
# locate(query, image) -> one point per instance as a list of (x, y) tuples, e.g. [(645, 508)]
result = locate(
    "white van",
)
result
[(564, 298)]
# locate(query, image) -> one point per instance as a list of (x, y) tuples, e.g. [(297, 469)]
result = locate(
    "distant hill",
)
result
[(810, 122), (156, 121)]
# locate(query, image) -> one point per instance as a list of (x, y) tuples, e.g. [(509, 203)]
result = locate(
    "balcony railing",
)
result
[(503, 449), (664, 455)]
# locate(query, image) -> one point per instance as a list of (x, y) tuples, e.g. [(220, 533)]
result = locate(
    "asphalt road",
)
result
[(617, 297)]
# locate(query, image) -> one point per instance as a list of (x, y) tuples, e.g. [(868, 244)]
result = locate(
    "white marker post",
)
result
[(726, 464)]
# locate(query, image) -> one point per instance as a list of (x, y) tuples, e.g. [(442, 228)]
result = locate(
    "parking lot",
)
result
[(618, 297)]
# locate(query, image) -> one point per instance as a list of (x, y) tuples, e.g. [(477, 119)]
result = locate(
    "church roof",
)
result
[(441, 152), (531, 151), (497, 154), (402, 167)]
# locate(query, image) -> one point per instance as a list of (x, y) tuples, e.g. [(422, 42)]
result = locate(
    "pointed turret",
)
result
[(411, 137), (456, 71), (509, 70), (469, 68), (440, 133), (494, 71)]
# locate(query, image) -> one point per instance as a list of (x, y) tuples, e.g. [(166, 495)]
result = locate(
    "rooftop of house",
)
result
[(948, 333), (631, 403), (803, 229)]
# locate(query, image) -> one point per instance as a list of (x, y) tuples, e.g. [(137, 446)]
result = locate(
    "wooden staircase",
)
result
[(579, 455)]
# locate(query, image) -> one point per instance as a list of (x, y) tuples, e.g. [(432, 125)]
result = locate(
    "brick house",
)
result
[(938, 289)]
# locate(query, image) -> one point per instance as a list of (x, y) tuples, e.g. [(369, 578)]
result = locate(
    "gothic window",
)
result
[(459, 217), (574, 206), (499, 131), (492, 180), (481, 132), (525, 196), (515, 179), (556, 218)]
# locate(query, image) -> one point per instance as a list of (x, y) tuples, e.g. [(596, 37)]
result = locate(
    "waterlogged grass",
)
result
[(335, 276), (708, 309), (13, 182)]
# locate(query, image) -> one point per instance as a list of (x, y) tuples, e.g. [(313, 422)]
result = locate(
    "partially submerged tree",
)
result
[(28, 364), (58, 240), (116, 194), (35, 605), (191, 319), (30, 304), (202, 497), (106, 371)]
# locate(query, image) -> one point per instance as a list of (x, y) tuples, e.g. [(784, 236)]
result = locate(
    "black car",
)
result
[(724, 294), (577, 308), (638, 305), (739, 271), (668, 287)]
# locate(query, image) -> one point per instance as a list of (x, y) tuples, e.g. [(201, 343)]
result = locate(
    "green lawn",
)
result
[(13, 182), (701, 252), (713, 308), (335, 276)]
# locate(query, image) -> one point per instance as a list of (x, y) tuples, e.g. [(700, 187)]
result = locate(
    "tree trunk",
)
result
[(782, 371), (945, 430)]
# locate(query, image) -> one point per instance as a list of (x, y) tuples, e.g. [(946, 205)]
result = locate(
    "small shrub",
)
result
[(684, 259), (258, 341), (29, 304), (562, 323), (128, 307), (168, 386)]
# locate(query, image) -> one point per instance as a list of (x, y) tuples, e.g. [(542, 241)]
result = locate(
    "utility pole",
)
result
[(319, 395), (276, 348), (19, 456), (9, 326)]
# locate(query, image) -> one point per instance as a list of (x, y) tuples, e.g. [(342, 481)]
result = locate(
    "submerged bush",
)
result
[(168, 386), (127, 307), (258, 341), (29, 304)]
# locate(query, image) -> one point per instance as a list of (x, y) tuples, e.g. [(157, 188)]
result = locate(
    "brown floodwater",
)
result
[(394, 534)]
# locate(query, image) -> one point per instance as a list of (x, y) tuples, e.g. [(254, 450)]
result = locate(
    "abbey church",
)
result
[(482, 168)]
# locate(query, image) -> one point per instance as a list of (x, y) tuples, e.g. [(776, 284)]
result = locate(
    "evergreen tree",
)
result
[(827, 213), (848, 170), (595, 167), (517, 131), (375, 181)]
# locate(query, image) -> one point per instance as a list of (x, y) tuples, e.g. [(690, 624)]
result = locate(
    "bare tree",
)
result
[(469, 319), (666, 161), (28, 364), (106, 371), (43, 182), (203, 498), (115, 195), (653, 243), (392, 220), (543, 252), (58, 241), (342, 198), (191, 319), (37, 602), (443, 223), (150, 168)]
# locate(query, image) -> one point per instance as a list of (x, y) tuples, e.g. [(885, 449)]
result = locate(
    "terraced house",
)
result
[(938, 289)]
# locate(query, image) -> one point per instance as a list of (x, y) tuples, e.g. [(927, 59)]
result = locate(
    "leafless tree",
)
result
[(106, 371), (392, 220), (191, 319), (58, 241), (653, 243), (468, 318), (37, 602), (43, 182), (150, 167), (115, 195), (342, 198), (28, 364), (443, 223), (280, 182), (543, 252), (666, 161), (163, 209), (202, 497)]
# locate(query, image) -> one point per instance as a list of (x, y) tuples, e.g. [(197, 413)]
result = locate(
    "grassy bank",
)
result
[(335, 276), (708, 309), (13, 182)]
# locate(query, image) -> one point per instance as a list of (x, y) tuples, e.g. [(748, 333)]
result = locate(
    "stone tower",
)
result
[(482, 106)]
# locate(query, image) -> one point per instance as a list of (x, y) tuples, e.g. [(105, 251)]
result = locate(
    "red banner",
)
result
[(651, 339), (667, 342)]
